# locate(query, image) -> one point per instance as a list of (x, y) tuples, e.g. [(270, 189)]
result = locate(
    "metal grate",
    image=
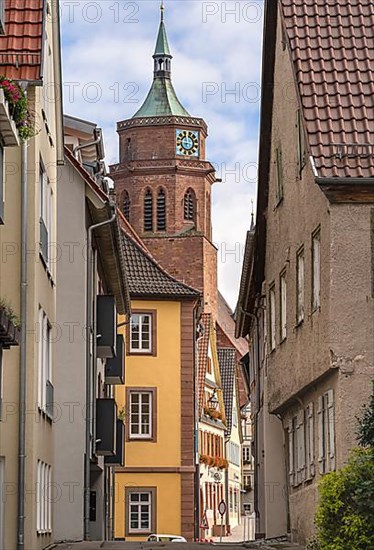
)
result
[(161, 211), (148, 211)]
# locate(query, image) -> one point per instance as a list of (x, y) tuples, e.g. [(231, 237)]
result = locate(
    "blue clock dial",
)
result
[(187, 143)]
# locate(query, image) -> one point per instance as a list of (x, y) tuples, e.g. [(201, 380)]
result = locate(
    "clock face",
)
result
[(187, 143)]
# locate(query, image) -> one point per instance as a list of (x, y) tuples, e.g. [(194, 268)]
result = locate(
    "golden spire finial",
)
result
[(162, 8)]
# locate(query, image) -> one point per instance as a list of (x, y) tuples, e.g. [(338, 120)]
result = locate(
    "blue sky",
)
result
[(107, 71)]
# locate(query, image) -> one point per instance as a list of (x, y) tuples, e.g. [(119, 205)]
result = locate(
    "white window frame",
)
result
[(272, 317), (149, 504), (300, 292), (139, 435), (44, 358), (247, 454), (140, 317), (283, 305), (44, 498), (316, 270), (46, 209)]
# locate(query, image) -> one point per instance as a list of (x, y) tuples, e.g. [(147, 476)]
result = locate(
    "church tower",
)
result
[(163, 180)]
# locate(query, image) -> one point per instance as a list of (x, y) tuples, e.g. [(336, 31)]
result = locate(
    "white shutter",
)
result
[(302, 444), (316, 270), (321, 450), (300, 287), (310, 458), (290, 452), (331, 427), (283, 320)]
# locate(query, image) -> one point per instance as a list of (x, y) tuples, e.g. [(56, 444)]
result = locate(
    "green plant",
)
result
[(345, 516), (365, 431), (121, 415), (17, 99), (13, 318)]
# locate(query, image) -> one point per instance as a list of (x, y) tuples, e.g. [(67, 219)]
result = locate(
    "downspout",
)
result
[(23, 356), (196, 442), (85, 145), (89, 369)]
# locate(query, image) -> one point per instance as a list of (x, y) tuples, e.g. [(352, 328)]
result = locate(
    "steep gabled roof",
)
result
[(146, 278), (226, 321), (227, 365), (243, 321), (202, 350), (22, 44), (331, 47)]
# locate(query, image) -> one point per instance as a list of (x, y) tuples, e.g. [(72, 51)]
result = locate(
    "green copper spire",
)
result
[(162, 44), (162, 99)]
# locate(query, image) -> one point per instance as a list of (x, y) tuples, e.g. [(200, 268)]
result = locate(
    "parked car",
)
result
[(165, 538)]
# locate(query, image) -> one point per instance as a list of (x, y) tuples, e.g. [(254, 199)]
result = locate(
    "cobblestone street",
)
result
[(277, 544)]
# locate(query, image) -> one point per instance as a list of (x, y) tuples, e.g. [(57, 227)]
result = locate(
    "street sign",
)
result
[(204, 522), (222, 508)]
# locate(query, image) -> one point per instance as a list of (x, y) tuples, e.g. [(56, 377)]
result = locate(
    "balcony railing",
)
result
[(115, 367), (106, 427), (106, 327), (119, 457)]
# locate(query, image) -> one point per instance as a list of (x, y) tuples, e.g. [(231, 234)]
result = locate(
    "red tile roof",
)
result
[(21, 45), (332, 52)]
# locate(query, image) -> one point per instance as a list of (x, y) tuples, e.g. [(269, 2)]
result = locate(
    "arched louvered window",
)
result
[(161, 210), (190, 206), (148, 211), (125, 206)]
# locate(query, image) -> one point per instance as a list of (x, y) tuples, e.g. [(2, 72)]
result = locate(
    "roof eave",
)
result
[(347, 190)]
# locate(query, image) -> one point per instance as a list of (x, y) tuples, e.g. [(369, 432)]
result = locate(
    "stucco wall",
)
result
[(70, 357), (333, 347)]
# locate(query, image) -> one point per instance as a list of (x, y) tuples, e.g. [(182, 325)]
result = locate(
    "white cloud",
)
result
[(212, 42)]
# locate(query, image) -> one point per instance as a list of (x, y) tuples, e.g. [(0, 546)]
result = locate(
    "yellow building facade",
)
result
[(154, 491)]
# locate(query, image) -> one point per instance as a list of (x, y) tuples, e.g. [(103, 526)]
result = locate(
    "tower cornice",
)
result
[(190, 122), (165, 166)]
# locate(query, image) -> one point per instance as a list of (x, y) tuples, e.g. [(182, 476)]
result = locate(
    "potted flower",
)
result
[(18, 107)]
